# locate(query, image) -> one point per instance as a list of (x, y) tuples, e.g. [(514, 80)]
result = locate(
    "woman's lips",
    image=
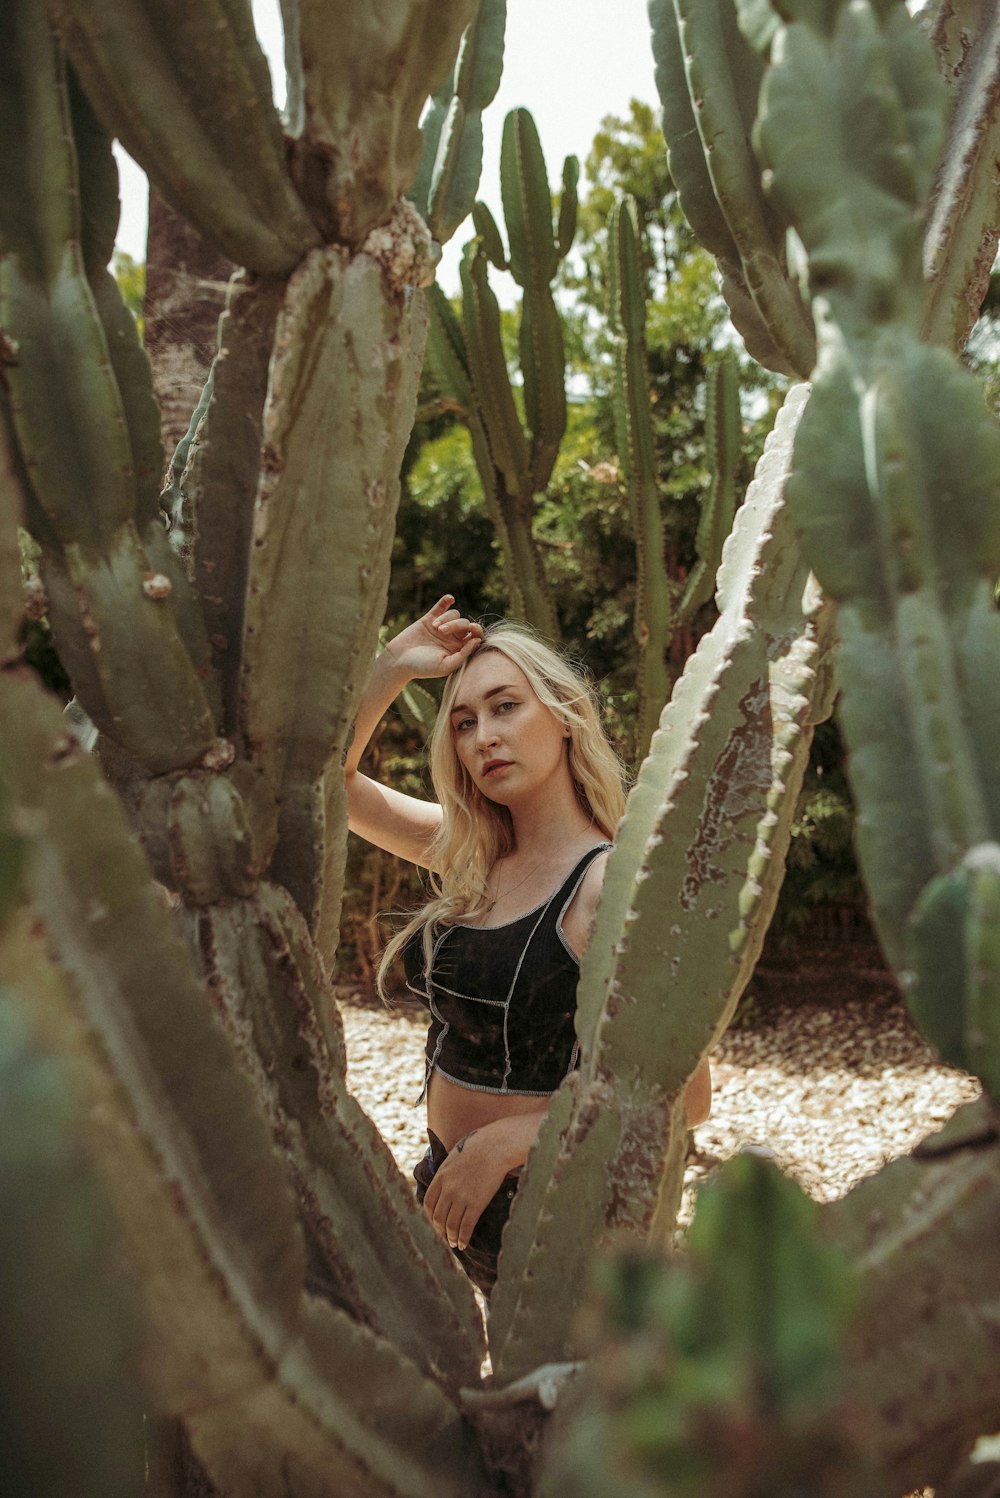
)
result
[(495, 766)]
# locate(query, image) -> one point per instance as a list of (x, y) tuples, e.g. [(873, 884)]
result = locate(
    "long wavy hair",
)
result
[(475, 831)]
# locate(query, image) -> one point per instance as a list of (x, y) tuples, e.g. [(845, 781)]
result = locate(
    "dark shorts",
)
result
[(479, 1258)]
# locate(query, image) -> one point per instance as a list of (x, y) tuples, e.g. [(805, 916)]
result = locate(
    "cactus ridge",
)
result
[(385, 1261), (535, 254), (322, 531), (704, 840), (488, 372), (221, 454), (653, 604), (449, 360), (458, 160), (723, 429), (111, 605), (961, 240), (723, 78), (213, 143), (707, 77)]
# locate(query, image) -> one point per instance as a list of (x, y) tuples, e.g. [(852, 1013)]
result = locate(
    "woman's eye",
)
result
[(462, 724), (503, 706)]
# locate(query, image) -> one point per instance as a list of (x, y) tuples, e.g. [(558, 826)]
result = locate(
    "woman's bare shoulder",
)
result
[(579, 917)]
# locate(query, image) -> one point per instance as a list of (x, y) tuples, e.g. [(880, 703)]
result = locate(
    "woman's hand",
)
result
[(471, 1174), (437, 643)]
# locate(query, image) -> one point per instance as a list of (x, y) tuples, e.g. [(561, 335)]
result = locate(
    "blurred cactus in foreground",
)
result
[(177, 891)]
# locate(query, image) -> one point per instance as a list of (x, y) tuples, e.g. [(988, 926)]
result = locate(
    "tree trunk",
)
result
[(185, 290)]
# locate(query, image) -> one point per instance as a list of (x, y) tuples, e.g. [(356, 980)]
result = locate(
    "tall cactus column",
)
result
[(468, 360)]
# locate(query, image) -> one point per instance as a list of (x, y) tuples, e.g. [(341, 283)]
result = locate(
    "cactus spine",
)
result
[(467, 358)]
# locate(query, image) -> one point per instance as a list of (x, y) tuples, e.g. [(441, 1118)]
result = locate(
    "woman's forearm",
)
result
[(386, 681)]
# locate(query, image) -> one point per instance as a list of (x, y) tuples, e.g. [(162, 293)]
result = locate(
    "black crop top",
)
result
[(502, 998)]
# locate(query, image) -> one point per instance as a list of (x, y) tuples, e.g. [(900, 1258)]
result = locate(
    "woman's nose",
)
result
[(485, 734)]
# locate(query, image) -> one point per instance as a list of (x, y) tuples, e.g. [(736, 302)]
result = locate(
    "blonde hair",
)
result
[(475, 831)]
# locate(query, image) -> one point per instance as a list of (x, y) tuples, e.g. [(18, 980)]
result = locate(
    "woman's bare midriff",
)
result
[(453, 1111)]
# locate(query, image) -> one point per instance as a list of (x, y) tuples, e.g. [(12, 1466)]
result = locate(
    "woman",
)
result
[(530, 793)]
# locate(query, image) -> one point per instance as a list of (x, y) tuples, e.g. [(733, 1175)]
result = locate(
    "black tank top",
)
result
[(502, 998)]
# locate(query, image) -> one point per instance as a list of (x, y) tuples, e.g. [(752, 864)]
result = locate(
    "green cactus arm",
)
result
[(723, 427), (223, 458), (322, 535), (110, 605), (68, 1317), (961, 239), (449, 361), (378, 1249), (486, 227), (99, 209), (897, 467), (955, 931), (723, 75), (459, 160), (267, 1380), (431, 127), (534, 261), (366, 72), (922, 1232), (695, 169), (85, 481), (568, 206), (125, 1011), (693, 881), (191, 102), (653, 618), (684, 151), (527, 204), (489, 380), (859, 218)]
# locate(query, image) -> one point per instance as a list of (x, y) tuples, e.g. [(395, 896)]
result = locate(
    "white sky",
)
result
[(570, 62)]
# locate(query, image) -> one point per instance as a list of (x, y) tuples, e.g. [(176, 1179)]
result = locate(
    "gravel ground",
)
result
[(832, 1092)]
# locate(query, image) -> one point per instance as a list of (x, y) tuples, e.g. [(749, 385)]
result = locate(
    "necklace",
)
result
[(514, 887)]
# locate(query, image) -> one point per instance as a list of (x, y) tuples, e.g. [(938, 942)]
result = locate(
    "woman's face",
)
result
[(506, 738)]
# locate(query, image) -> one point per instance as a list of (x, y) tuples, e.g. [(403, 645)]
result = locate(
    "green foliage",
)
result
[(131, 278)]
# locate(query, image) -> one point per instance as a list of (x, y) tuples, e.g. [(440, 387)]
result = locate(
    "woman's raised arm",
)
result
[(434, 645)]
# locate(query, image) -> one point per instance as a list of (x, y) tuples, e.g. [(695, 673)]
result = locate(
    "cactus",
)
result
[(708, 78), (690, 1361), (467, 357), (897, 467), (658, 610), (298, 1315)]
